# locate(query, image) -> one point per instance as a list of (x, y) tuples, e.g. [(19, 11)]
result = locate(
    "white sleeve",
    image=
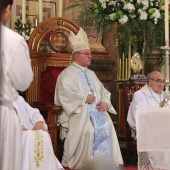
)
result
[(138, 101), (34, 114), (21, 73), (31, 113)]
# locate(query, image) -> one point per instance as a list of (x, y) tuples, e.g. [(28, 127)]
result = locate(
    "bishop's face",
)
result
[(157, 82), (83, 58)]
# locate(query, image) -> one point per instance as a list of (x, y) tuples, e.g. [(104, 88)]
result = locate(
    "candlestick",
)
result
[(166, 101), (167, 38), (40, 11), (23, 11), (60, 8)]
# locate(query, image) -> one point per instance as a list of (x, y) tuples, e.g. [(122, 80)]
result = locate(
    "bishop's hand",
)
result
[(101, 106), (90, 98)]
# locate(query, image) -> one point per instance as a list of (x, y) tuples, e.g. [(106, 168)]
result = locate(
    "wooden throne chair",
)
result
[(50, 54), (129, 88)]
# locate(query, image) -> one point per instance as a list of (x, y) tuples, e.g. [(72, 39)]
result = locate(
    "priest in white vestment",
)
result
[(149, 96), (37, 150), (87, 127), (15, 74)]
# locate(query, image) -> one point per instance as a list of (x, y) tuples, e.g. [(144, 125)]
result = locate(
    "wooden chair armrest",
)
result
[(52, 108)]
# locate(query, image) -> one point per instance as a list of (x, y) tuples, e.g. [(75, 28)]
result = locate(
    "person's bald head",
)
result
[(156, 81)]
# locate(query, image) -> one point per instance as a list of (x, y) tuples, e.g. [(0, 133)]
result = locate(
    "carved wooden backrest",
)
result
[(48, 45), (131, 146), (55, 31), (129, 89)]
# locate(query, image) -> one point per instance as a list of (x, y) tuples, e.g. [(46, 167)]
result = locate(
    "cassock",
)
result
[(89, 134), (15, 74), (37, 150), (147, 98)]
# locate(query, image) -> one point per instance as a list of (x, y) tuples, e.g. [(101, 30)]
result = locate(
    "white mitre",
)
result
[(78, 42)]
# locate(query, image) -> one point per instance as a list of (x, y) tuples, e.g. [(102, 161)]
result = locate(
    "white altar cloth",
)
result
[(153, 138), (37, 151)]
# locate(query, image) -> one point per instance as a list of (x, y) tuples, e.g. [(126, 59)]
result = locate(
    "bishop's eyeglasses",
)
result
[(158, 80)]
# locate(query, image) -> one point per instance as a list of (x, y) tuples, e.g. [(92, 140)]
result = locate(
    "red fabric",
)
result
[(48, 83), (47, 36)]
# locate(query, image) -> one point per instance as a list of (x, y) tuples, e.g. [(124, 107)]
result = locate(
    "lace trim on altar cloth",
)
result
[(144, 162)]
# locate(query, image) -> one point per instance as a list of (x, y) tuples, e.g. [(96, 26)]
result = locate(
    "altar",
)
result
[(153, 138)]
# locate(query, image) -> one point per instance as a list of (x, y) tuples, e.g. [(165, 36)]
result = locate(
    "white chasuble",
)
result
[(76, 122)]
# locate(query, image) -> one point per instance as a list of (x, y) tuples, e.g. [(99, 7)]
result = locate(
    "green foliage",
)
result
[(24, 30)]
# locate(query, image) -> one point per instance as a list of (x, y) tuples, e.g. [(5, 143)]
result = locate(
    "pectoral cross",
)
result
[(92, 91)]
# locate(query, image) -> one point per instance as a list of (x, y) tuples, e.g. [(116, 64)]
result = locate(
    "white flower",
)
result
[(103, 5), (143, 15), (155, 20), (106, 0), (112, 16), (156, 14), (123, 20), (130, 7), (101, 1), (145, 3), (112, 3)]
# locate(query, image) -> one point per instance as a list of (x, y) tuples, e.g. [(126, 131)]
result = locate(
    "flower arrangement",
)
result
[(123, 11), (139, 23)]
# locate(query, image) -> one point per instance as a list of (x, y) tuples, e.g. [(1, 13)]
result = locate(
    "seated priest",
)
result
[(149, 96), (37, 150), (87, 127)]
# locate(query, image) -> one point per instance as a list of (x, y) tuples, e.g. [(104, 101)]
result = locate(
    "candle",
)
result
[(23, 11), (129, 61), (118, 71), (126, 69), (123, 68), (60, 8), (166, 21), (167, 38), (40, 11), (120, 68)]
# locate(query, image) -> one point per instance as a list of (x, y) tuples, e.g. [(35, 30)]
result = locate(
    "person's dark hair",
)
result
[(5, 3)]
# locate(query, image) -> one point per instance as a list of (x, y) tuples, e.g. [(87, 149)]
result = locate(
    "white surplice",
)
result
[(143, 98), (75, 119), (16, 74), (147, 98), (37, 150)]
